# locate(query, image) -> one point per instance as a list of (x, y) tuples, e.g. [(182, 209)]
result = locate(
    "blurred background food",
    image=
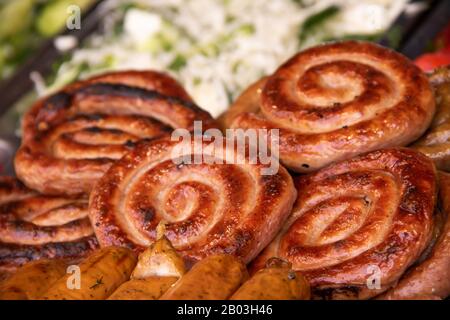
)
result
[(216, 55), (438, 52), (215, 48), (24, 24)]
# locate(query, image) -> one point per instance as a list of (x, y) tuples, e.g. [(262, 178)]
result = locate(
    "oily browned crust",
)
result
[(208, 208), (13, 256), (338, 100), (73, 136), (34, 226), (432, 276), (375, 210), (248, 101), (435, 143)]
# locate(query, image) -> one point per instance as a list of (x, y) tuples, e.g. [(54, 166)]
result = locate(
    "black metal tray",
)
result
[(416, 31)]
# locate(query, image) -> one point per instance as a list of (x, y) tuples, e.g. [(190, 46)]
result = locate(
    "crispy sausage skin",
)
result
[(35, 226), (222, 206), (432, 276), (73, 136), (373, 212), (335, 101)]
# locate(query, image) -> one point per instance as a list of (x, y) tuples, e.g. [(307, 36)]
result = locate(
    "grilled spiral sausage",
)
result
[(34, 226), (431, 277), (335, 101), (436, 142), (368, 217), (214, 206), (72, 137)]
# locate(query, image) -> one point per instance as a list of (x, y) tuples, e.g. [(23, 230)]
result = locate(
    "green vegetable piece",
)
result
[(361, 37), (15, 17), (54, 15), (178, 63), (394, 37), (316, 20), (212, 49), (246, 29)]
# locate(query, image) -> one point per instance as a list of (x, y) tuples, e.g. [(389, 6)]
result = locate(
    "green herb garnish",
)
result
[(98, 282)]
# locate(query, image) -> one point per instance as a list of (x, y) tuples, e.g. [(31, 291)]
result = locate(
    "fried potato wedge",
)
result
[(151, 288), (158, 268), (159, 260), (275, 282), (213, 278), (100, 275), (33, 279)]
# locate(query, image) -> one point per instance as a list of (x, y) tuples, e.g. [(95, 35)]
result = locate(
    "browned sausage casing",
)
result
[(432, 276), (367, 218), (335, 101), (72, 137)]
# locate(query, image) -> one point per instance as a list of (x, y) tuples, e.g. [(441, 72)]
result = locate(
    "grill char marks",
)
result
[(58, 101), (14, 255), (119, 90), (34, 226), (51, 109), (71, 138), (331, 293)]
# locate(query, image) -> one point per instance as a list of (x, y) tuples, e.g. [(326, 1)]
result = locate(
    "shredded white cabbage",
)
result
[(215, 48)]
